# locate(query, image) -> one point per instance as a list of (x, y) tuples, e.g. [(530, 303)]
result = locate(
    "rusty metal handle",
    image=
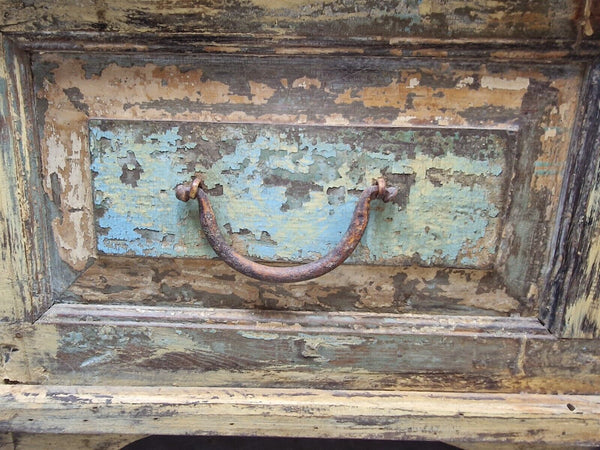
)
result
[(314, 269)]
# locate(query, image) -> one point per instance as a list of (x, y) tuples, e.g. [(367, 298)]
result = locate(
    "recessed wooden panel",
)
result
[(288, 192)]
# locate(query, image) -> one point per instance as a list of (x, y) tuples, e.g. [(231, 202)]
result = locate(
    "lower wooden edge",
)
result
[(464, 417), (36, 441)]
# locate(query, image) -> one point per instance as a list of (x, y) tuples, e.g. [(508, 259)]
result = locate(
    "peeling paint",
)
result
[(274, 183), (260, 336), (100, 359), (516, 84)]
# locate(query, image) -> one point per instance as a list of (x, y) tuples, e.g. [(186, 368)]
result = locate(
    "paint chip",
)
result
[(517, 84), (413, 83)]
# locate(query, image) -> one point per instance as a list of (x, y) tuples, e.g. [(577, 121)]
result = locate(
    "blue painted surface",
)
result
[(288, 192)]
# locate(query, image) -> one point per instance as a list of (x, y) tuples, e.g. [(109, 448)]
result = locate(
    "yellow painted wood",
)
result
[(6, 441), (12, 267), (284, 91), (514, 446), (571, 307), (302, 413)]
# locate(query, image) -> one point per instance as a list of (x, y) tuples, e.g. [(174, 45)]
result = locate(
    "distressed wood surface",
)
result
[(305, 413), (286, 193), (531, 102), (572, 306), (13, 270), (559, 19), (24, 285)]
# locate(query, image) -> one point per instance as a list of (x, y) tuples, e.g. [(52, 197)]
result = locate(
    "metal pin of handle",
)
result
[(314, 269)]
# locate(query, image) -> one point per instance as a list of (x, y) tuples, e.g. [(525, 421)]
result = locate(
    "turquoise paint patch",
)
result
[(543, 168), (286, 193)]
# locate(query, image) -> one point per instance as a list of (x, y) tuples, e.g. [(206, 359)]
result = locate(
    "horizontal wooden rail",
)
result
[(301, 413)]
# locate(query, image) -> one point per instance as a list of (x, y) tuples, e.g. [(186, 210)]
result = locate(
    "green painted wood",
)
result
[(286, 193)]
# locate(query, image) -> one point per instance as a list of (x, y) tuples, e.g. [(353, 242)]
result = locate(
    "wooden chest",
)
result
[(469, 310)]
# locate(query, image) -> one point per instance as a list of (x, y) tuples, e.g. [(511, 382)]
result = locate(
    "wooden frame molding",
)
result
[(320, 20), (132, 345)]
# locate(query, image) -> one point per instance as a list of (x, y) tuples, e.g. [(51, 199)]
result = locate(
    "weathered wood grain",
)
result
[(11, 280), (302, 413), (356, 19), (272, 349), (515, 446), (24, 285), (572, 306)]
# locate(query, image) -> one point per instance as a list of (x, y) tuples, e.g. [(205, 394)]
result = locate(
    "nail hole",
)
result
[(571, 407)]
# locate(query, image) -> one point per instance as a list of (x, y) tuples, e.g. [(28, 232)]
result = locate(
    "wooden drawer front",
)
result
[(285, 143)]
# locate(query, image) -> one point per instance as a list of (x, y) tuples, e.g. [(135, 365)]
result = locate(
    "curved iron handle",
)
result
[(314, 269)]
